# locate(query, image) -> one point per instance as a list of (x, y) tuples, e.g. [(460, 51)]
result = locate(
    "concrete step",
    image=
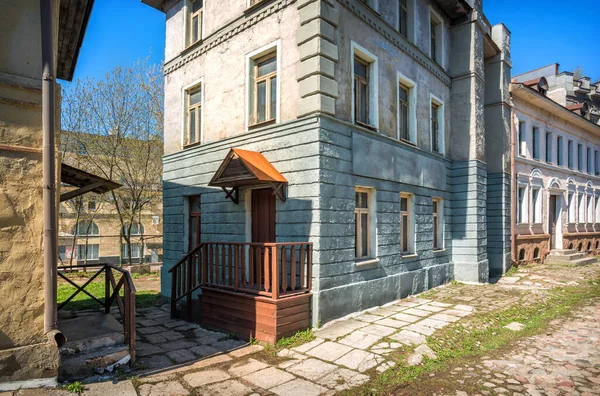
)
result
[(564, 258), (82, 365), (90, 332), (576, 262)]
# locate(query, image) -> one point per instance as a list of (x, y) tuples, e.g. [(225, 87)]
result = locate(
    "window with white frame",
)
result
[(406, 224), (438, 234), (264, 88), (136, 251), (155, 220), (86, 228), (133, 229), (365, 110), (588, 155), (536, 203), (435, 38), (571, 212), (559, 151), (362, 222), (549, 147), (522, 214), (590, 209), (580, 207), (88, 252), (597, 214), (92, 205), (195, 20), (535, 142), (407, 113), (570, 154), (522, 139), (437, 125), (580, 157), (405, 18), (596, 163), (193, 125)]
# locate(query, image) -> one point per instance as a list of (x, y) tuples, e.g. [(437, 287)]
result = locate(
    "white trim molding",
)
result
[(373, 61), (412, 107)]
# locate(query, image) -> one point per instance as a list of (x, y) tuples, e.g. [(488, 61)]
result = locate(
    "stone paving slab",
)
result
[(299, 387), (225, 388), (205, 377), (359, 339), (269, 378), (329, 351), (312, 369)]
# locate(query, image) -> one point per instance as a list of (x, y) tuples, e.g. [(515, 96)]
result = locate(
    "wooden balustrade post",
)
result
[(188, 305), (309, 267), (174, 291), (126, 315), (204, 264), (132, 326), (106, 290), (274, 273)]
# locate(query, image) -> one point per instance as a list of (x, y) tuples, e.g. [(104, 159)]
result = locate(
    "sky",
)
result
[(543, 32)]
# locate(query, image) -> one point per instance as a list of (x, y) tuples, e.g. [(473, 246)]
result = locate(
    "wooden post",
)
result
[(274, 273), (106, 290), (236, 272), (266, 268), (283, 267), (302, 267), (309, 267), (174, 291), (204, 264), (132, 326), (293, 265), (188, 305)]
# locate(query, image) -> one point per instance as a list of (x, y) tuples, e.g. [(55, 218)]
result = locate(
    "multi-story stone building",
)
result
[(380, 125), (556, 164)]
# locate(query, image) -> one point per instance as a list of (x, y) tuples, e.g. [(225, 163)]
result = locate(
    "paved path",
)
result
[(564, 361)]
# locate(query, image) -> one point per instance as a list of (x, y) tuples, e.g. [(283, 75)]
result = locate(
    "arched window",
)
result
[(522, 255), (86, 228), (136, 229), (536, 253)]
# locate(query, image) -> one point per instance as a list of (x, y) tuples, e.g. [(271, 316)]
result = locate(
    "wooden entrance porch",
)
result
[(259, 290)]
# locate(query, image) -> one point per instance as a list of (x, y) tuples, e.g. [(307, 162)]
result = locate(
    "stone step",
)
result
[(577, 262), (562, 252), (564, 258), (92, 344), (82, 365)]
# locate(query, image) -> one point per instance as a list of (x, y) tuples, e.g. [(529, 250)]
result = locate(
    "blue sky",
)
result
[(543, 32)]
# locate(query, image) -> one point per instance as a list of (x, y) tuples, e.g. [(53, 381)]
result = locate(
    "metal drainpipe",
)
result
[(513, 182), (49, 172)]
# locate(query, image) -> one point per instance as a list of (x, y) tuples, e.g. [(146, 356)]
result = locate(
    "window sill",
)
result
[(192, 46), (262, 124), (408, 142), (367, 126), (191, 145), (256, 6), (365, 262), (439, 250), (409, 256)]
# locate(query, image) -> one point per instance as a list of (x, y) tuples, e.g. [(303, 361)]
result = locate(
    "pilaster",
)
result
[(318, 55)]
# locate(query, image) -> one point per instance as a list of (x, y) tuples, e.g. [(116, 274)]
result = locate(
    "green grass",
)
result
[(145, 298), (512, 271), (75, 387), (299, 338), (486, 334)]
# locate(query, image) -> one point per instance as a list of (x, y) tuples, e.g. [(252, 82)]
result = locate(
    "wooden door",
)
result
[(263, 231), (194, 222), (263, 215), (552, 221)]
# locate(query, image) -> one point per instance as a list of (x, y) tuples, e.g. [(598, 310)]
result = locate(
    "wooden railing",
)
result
[(273, 270), (112, 289)]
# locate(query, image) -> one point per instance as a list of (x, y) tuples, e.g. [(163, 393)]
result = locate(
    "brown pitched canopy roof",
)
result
[(245, 168), (85, 182)]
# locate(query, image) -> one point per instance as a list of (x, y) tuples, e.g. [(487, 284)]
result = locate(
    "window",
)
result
[(522, 139), (590, 209), (571, 208), (88, 228), (597, 217), (549, 147), (404, 110), (581, 208), (196, 21), (92, 205), (365, 109), (536, 196), (361, 91), (136, 251), (263, 70), (81, 149), (580, 157), (570, 154), (403, 17), (559, 151), (88, 252), (535, 136), (596, 163), (406, 224), (265, 88), (435, 38), (588, 157), (522, 205), (155, 220), (136, 229), (437, 125), (437, 224), (362, 220), (194, 116)]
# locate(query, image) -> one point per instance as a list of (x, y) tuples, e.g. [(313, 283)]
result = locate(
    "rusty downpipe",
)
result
[(513, 182), (49, 172)]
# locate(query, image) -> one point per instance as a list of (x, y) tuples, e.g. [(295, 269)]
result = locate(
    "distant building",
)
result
[(374, 130), (556, 164)]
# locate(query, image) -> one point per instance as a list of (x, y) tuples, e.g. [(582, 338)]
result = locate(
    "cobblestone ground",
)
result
[(180, 358)]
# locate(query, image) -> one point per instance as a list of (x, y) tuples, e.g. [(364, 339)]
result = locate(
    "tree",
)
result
[(116, 131)]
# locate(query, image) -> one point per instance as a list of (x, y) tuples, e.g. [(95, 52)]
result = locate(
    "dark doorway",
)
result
[(552, 221), (194, 222)]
